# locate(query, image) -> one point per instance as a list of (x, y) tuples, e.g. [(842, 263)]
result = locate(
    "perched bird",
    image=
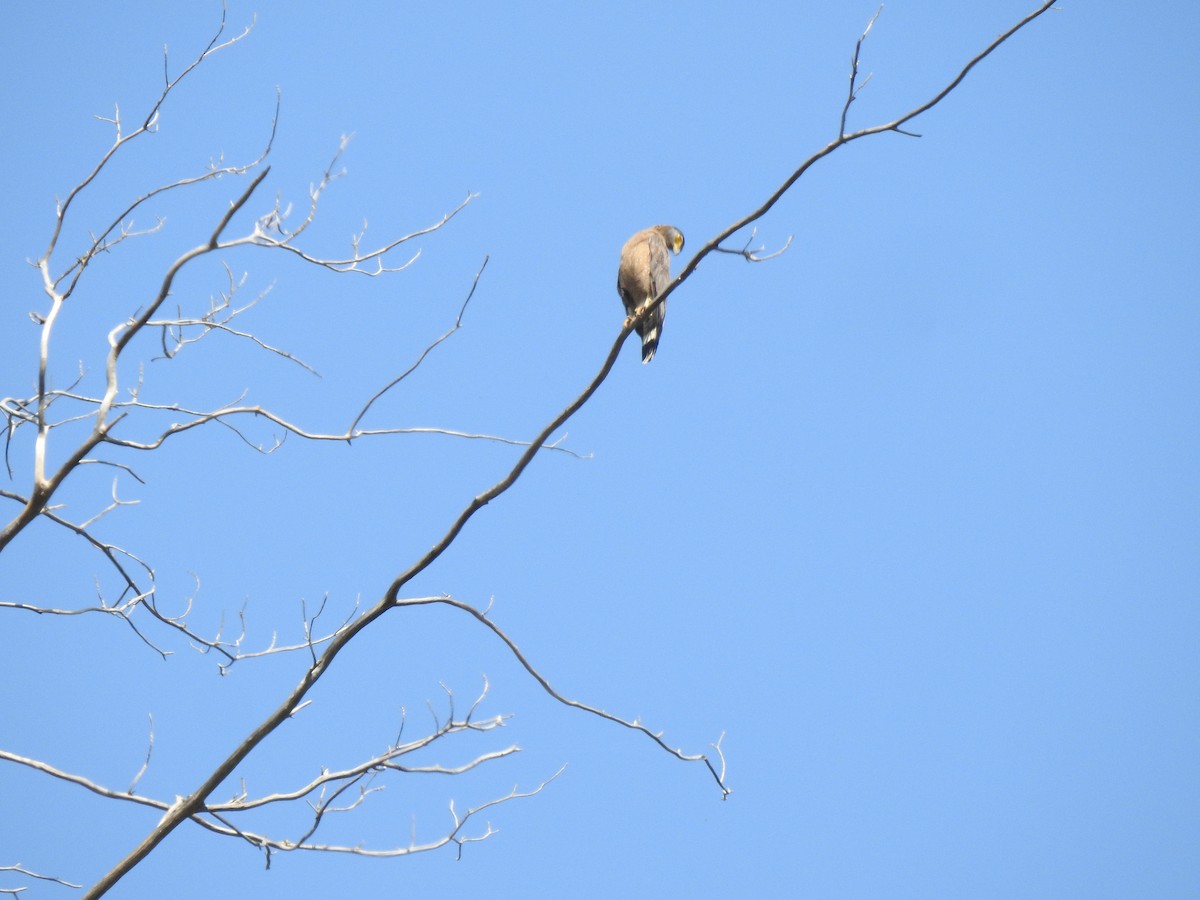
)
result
[(644, 273)]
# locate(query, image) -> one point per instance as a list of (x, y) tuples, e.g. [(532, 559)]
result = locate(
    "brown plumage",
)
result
[(644, 273)]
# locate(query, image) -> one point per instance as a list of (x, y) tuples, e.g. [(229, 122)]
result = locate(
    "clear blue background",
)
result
[(910, 512)]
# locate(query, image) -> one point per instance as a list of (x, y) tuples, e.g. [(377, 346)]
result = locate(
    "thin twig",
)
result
[(146, 762), (424, 353), (21, 870), (567, 701), (852, 94)]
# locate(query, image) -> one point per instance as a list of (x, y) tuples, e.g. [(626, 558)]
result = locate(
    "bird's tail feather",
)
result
[(649, 344)]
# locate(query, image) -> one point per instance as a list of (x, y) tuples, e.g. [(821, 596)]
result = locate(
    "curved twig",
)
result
[(635, 725), (424, 353)]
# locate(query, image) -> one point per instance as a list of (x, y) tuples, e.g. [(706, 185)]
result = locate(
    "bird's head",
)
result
[(673, 236)]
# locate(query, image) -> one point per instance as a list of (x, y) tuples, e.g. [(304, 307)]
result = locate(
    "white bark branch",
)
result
[(29, 873), (330, 787)]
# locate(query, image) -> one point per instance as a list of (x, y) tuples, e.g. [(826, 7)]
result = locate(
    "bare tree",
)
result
[(57, 432)]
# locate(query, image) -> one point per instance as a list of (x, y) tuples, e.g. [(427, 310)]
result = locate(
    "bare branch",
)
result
[(424, 353), (102, 243), (223, 414), (387, 760), (852, 94), (116, 501), (21, 870), (454, 836), (44, 487), (147, 125), (310, 642), (567, 701), (132, 599), (756, 255), (146, 763), (272, 224), (331, 787), (217, 319), (86, 783), (829, 148), (339, 782), (116, 465), (112, 552), (106, 406)]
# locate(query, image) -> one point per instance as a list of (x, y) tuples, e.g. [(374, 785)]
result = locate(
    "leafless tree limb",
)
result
[(454, 836), (482, 617), (123, 226), (323, 794), (424, 353), (29, 873), (108, 409), (134, 598), (34, 411), (758, 255), (387, 760), (148, 125), (852, 94), (220, 314), (271, 232), (841, 140), (79, 780), (146, 762), (112, 552)]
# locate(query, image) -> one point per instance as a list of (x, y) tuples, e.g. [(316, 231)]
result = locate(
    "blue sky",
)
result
[(910, 513)]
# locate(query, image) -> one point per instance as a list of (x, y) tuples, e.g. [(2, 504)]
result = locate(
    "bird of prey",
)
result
[(644, 273)]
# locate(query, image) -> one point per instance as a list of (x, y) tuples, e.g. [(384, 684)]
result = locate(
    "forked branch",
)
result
[(327, 794), (841, 140)]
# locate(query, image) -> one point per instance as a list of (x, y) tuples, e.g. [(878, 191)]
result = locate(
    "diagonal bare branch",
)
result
[(829, 148)]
